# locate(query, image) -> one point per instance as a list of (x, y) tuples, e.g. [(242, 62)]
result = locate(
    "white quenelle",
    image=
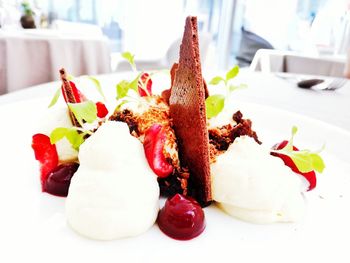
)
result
[(59, 117), (114, 194), (250, 184)]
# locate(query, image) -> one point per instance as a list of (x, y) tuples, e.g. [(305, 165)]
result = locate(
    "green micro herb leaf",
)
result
[(55, 97), (130, 58), (97, 85), (134, 83), (216, 80), (72, 135), (86, 111), (214, 105), (233, 72), (122, 89), (305, 160), (124, 86), (237, 87), (70, 77)]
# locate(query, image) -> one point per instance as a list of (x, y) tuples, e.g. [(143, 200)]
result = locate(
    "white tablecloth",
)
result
[(332, 107), (32, 58)]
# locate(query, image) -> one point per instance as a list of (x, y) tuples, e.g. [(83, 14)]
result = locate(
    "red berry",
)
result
[(145, 82), (154, 145), (181, 218), (58, 180), (46, 154), (101, 110), (78, 95), (309, 176)]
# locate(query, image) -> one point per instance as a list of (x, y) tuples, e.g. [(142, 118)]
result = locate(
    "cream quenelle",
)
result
[(59, 117), (114, 194), (250, 184)]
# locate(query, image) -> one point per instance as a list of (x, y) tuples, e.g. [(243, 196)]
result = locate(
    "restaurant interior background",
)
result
[(231, 30)]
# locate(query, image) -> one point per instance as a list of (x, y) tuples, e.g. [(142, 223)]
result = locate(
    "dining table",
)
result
[(33, 56), (328, 106)]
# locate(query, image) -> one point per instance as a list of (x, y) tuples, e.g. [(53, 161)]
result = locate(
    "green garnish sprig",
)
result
[(124, 86), (84, 112), (215, 103), (130, 58), (73, 135), (305, 160)]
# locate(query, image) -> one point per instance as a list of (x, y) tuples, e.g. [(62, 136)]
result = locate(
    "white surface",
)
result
[(35, 56), (33, 226)]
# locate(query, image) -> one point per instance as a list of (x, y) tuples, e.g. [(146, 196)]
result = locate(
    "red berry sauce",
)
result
[(181, 218), (58, 180)]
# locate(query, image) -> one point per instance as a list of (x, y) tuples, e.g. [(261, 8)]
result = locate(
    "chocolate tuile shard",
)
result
[(187, 109), (69, 94)]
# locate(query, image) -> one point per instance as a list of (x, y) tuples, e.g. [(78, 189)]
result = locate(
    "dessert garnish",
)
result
[(181, 218), (56, 171), (46, 154), (215, 103), (154, 146), (303, 162), (187, 110), (143, 80)]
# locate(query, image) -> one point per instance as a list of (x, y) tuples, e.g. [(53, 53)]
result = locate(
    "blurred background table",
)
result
[(332, 107), (31, 57)]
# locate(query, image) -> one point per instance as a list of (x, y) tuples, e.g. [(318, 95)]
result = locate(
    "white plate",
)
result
[(33, 227)]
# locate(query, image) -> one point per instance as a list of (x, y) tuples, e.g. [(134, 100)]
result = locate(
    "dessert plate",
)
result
[(33, 226)]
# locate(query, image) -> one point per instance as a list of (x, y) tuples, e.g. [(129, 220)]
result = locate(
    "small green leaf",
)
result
[(235, 87), (305, 160), (134, 84), (214, 105), (289, 146), (86, 111), (55, 97), (232, 73), (72, 135), (317, 162), (130, 58), (122, 89), (302, 160), (70, 77), (216, 80), (97, 85)]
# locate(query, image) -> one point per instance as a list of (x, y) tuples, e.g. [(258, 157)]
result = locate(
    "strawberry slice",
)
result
[(154, 146), (78, 95), (309, 176), (102, 110), (145, 82), (46, 154)]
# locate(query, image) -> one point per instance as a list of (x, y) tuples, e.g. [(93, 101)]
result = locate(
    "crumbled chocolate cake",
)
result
[(138, 123), (187, 109), (221, 138)]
